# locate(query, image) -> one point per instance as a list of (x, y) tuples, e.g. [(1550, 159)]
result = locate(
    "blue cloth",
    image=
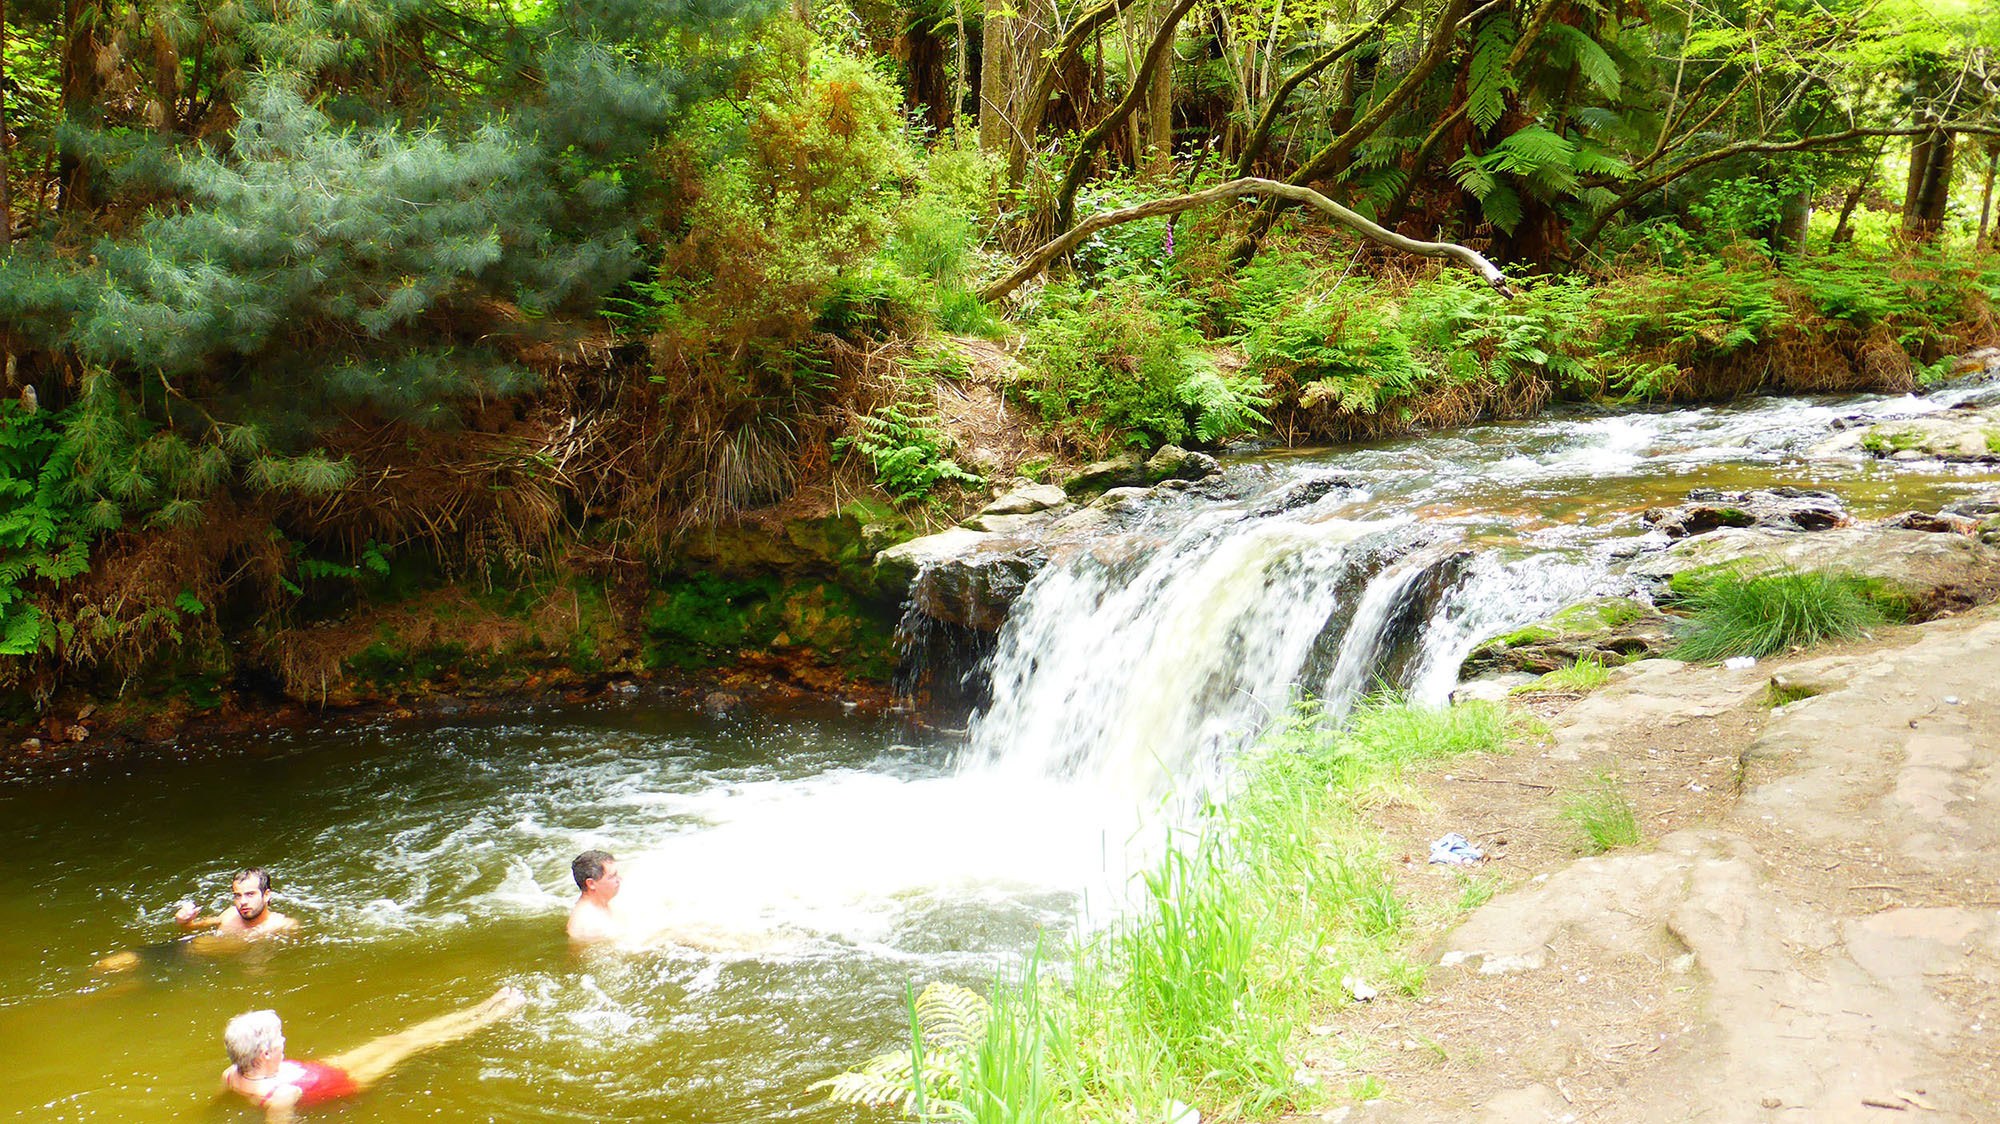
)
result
[(1456, 850)]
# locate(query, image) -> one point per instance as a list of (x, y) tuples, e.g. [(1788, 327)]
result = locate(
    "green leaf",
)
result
[(1489, 80)]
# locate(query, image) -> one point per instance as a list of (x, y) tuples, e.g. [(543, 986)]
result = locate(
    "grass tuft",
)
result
[(1603, 816), (1585, 675), (1735, 615)]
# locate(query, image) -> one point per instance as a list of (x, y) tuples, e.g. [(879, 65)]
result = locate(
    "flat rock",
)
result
[(1781, 508), (1919, 563), (1610, 630), (1964, 436), (1026, 499), (1119, 472)]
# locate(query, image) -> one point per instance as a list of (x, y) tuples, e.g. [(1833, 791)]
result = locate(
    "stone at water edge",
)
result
[(1919, 564), (1782, 508), (1611, 630), (1118, 472), (1026, 499)]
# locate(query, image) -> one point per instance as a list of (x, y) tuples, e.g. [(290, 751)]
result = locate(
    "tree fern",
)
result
[(1489, 80)]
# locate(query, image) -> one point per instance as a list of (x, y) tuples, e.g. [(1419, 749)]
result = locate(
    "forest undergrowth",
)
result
[(557, 307)]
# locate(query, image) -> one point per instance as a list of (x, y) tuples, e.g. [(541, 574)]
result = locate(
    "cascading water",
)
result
[(1148, 662)]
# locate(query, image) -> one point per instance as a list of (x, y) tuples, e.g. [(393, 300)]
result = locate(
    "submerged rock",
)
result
[(1931, 522), (1611, 630), (1781, 508), (1302, 494)]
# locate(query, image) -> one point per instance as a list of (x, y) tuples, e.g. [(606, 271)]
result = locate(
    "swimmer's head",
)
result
[(252, 1037), (250, 892), (596, 871)]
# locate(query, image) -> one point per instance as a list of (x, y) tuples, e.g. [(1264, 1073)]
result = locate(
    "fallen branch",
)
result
[(1047, 254)]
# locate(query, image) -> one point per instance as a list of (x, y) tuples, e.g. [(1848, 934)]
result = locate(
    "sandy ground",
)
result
[(1810, 930)]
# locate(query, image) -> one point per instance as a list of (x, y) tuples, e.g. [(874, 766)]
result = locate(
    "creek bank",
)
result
[(1808, 934), (1932, 562), (967, 577)]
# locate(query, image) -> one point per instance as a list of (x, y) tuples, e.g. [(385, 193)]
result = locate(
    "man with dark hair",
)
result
[(251, 915), (598, 881), (249, 918)]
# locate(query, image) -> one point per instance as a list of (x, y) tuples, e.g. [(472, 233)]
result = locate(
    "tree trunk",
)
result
[(1157, 53), (1788, 234), (924, 64), (78, 98), (958, 74), (6, 167), (1842, 230), (1331, 160), (1985, 194), (996, 78), (1160, 111), (1929, 186)]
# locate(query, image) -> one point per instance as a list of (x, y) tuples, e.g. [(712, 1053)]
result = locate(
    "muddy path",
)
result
[(1810, 930)]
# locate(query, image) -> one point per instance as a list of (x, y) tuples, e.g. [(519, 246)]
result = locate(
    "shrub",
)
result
[(1660, 324), (1346, 352), (1123, 366), (909, 454), (1738, 615)]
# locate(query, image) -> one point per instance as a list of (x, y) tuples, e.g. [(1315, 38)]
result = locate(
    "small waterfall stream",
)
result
[(1146, 660)]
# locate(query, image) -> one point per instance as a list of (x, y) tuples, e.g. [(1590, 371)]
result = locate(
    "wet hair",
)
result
[(589, 865), (259, 873), (249, 1037)]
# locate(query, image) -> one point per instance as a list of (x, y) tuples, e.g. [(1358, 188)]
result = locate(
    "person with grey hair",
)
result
[(260, 1073)]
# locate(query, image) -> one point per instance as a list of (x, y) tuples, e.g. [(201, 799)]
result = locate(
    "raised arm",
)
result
[(189, 917)]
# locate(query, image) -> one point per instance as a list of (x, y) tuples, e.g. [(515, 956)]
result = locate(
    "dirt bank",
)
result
[(1811, 931)]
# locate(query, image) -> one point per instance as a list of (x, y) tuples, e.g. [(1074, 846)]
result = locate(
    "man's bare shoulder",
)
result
[(592, 923)]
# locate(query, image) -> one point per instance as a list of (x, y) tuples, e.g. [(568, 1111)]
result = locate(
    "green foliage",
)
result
[(908, 451), (1123, 366), (1586, 674), (946, 1021), (42, 540), (1656, 324), (1759, 615), (1602, 816), (1468, 331), (1346, 349)]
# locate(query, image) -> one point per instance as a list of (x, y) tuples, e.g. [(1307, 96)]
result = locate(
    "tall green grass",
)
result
[(1244, 925), (1603, 816), (1738, 615)]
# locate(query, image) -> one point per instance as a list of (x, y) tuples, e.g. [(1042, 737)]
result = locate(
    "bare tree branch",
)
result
[(1050, 251)]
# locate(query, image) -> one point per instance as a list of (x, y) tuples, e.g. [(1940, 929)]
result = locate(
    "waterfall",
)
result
[(1123, 668)]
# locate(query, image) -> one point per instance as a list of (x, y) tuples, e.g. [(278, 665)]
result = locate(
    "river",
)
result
[(850, 856)]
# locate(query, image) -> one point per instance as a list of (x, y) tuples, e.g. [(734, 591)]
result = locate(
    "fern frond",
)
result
[(1590, 57), (953, 1017), (1489, 81)]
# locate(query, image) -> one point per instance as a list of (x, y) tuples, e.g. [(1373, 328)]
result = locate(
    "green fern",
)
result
[(1490, 81), (947, 1022)]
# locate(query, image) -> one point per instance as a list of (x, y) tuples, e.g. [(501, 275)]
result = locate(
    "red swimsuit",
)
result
[(317, 1082)]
